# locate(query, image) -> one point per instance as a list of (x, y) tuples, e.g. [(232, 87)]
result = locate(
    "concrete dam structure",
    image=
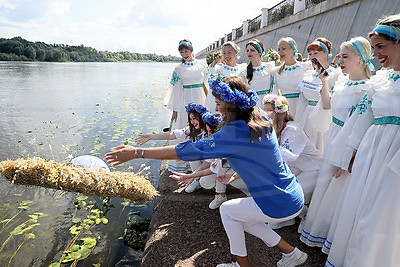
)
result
[(305, 20)]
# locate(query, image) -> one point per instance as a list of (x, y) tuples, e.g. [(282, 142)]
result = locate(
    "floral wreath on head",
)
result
[(239, 98), (274, 100), (195, 107), (211, 119)]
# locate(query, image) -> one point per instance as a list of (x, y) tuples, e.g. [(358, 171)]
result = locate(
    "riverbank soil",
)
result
[(185, 232)]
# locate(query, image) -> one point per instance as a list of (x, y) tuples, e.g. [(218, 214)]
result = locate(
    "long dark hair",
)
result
[(251, 116), (250, 70), (193, 132)]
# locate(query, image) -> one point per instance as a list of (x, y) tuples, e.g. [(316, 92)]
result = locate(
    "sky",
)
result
[(141, 26)]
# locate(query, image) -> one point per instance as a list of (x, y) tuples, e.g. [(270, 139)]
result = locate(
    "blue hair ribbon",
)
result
[(363, 56), (258, 46), (324, 47), (234, 46), (293, 46), (388, 30), (185, 44)]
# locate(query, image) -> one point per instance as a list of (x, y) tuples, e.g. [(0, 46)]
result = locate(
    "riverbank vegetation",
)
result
[(19, 49)]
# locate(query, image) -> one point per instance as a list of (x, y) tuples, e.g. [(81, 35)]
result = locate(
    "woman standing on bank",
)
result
[(288, 76), (276, 195), (189, 84), (227, 68), (368, 230), (355, 62), (319, 49), (257, 75)]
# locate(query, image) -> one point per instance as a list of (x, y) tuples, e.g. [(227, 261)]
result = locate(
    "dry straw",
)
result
[(47, 173)]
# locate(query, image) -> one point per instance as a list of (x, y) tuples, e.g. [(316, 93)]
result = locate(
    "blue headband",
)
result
[(239, 98), (293, 46), (211, 119), (388, 30), (195, 107), (363, 56), (258, 46), (324, 47), (186, 44)]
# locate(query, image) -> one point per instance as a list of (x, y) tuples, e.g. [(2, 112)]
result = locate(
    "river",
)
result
[(57, 110)]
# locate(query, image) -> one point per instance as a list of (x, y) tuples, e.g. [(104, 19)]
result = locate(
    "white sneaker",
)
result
[(195, 184), (217, 201), (298, 257), (232, 264), (282, 224)]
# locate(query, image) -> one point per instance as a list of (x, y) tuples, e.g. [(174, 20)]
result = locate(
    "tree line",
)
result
[(19, 49)]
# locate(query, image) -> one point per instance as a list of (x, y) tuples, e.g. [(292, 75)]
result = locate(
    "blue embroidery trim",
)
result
[(174, 79), (286, 145)]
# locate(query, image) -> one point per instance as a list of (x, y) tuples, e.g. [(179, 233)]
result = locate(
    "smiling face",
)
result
[(229, 55), (386, 51), (194, 121), (209, 130), (186, 54), (348, 61), (285, 51)]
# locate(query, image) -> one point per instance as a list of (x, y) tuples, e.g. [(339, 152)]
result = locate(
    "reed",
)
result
[(50, 174)]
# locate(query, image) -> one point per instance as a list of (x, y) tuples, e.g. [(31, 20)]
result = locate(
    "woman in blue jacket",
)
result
[(250, 145)]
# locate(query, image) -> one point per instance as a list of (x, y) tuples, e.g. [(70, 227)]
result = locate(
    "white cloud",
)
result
[(58, 7)]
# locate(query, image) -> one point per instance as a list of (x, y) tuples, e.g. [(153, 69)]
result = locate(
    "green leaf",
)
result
[(98, 220), (5, 221), (89, 242), (82, 198), (55, 264), (96, 264), (75, 248), (30, 236), (95, 211), (75, 229), (35, 217), (17, 231), (104, 220), (76, 220)]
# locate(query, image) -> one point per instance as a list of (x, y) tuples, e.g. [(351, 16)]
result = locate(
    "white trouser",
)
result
[(307, 180), (209, 182), (243, 215)]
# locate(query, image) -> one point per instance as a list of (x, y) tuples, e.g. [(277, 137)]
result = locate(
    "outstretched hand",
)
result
[(183, 179), (142, 139), (120, 155)]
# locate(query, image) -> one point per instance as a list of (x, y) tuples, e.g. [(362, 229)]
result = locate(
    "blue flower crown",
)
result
[(198, 108), (241, 99), (211, 119)]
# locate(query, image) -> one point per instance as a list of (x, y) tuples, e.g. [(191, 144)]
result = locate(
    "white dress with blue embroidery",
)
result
[(224, 71), (367, 231), (303, 159), (287, 82), (187, 80), (261, 82), (337, 154), (307, 103)]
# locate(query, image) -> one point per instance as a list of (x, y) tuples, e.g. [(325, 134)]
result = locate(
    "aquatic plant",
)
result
[(47, 173)]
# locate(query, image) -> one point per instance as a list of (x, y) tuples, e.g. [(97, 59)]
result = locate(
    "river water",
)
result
[(54, 110)]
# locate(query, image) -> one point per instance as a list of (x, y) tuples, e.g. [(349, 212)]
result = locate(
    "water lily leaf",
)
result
[(30, 236), (89, 242), (75, 229)]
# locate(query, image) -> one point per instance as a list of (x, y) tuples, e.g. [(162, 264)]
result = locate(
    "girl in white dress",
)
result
[(368, 228), (257, 75), (227, 68), (189, 84), (195, 130), (309, 88), (288, 76), (354, 61), (303, 159)]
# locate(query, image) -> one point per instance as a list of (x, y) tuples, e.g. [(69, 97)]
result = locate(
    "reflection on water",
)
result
[(53, 110)]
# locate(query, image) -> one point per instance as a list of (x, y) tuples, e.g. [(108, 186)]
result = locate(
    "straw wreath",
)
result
[(47, 173)]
